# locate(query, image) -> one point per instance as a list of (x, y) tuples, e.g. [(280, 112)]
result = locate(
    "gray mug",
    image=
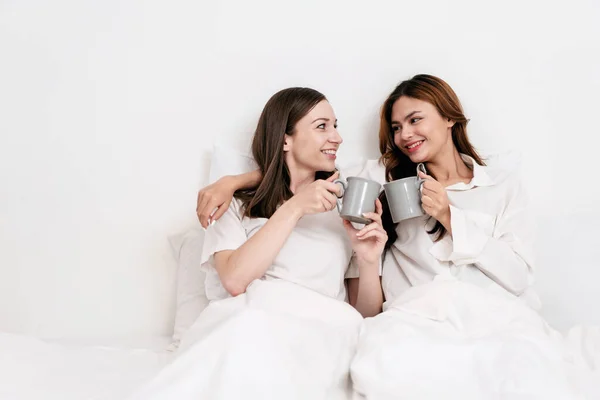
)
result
[(404, 197), (358, 197)]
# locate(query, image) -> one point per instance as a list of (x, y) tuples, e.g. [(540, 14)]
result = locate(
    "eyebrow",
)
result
[(407, 117), (322, 119)]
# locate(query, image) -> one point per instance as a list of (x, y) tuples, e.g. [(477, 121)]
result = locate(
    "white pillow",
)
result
[(191, 296), (187, 246), (227, 160)]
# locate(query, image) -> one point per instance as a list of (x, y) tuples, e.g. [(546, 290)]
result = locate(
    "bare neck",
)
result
[(299, 177), (449, 168)]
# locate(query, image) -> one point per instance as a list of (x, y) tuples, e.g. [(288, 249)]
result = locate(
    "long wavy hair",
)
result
[(278, 118), (397, 165)]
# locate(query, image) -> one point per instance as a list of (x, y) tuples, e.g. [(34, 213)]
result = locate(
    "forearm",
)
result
[(369, 300), (251, 260), (247, 180)]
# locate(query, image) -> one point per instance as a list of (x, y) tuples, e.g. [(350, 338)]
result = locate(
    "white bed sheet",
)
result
[(31, 368)]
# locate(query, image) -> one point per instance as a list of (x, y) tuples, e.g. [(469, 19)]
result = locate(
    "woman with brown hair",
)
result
[(476, 224), (459, 318), (280, 264)]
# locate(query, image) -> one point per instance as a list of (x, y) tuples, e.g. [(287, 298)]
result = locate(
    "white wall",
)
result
[(108, 111)]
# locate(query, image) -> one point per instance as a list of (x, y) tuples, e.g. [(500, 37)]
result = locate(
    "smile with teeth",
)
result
[(332, 152), (415, 144)]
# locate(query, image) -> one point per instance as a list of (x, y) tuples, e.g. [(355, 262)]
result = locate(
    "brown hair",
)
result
[(279, 117), (397, 165)]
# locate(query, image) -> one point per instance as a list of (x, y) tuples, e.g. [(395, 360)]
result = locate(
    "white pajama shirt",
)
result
[(491, 242)]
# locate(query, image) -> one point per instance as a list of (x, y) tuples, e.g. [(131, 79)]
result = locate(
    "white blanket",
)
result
[(451, 340), (276, 341)]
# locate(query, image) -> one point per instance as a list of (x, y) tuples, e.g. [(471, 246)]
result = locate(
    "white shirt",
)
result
[(316, 255), (491, 243)]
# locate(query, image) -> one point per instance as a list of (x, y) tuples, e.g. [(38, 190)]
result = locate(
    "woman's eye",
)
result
[(395, 128), (414, 120), (321, 126)]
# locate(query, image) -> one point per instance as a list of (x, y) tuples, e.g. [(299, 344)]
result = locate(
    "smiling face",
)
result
[(420, 132), (314, 143)]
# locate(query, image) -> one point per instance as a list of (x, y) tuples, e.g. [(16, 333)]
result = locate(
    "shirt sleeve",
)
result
[(227, 233), (504, 252)]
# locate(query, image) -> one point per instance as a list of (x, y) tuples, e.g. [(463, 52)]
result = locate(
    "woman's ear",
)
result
[(287, 142), (450, 123)]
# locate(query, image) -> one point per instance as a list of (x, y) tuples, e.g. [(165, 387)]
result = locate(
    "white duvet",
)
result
[(451, 340), (276, 341)]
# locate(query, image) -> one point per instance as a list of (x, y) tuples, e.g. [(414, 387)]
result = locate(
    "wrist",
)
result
[(446, 220), (292, 209), (367, 263)]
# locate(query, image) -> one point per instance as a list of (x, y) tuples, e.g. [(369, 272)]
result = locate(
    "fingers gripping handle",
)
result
[(420, 181)]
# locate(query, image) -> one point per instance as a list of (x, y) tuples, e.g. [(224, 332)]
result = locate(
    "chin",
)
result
[(329, 167), (419, 157)]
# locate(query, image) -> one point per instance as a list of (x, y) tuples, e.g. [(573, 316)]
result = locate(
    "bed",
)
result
[(32, 368)]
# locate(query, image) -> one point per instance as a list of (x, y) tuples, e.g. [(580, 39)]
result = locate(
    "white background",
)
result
[(109, 110)]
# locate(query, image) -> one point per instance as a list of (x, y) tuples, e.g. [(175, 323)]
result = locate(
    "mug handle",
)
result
[(339, 198)]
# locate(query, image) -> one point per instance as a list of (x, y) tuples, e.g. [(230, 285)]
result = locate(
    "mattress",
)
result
[(31, 368)]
